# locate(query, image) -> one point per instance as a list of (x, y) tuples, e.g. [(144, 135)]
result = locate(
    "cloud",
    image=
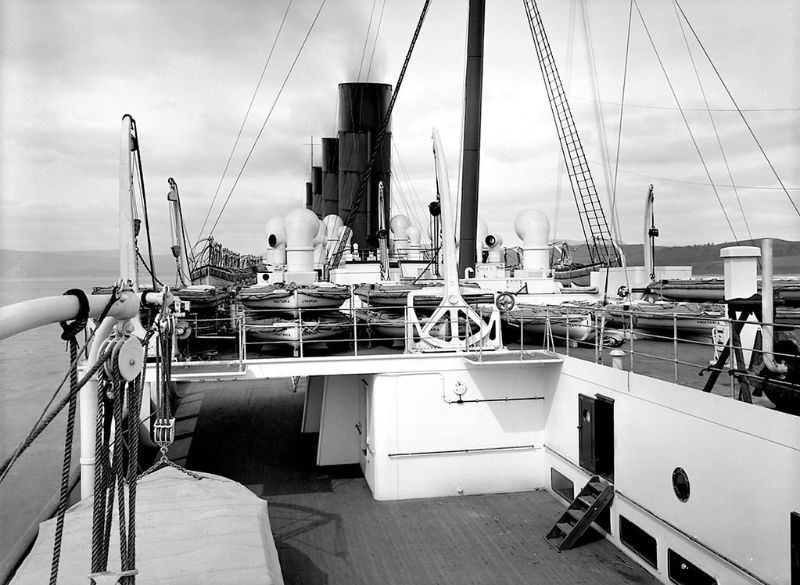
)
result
[(187, 71)]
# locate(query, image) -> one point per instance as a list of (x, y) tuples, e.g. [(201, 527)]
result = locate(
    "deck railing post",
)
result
[(675, 345), (300, 328), (633, 336)]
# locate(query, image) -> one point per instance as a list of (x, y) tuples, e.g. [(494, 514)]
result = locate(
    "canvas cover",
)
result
[(188, 531)]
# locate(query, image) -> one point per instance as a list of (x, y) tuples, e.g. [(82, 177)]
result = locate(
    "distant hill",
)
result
[(704, 258)]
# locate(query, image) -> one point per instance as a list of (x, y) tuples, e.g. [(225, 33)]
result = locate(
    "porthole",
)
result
[(680, 483)]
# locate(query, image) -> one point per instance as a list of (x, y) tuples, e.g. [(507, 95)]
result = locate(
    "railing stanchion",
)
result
[(675, 344), (300, 329), (355, 320), (633, 336)]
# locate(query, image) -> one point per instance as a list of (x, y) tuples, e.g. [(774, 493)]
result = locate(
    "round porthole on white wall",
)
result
[(680, 483)]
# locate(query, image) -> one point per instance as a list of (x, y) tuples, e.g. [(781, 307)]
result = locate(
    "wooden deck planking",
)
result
[(329, 529)]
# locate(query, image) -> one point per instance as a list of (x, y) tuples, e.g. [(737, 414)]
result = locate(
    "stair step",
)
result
[(574, 515), (586, 500), (564, 527)]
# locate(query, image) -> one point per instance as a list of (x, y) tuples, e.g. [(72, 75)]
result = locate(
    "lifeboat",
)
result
[(571, 324), (290, 298), (293, 332)]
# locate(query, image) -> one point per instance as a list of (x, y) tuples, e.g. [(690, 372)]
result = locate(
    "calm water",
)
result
[(31, 366)]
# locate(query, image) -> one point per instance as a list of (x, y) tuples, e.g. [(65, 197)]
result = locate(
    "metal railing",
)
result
[(675, 344)]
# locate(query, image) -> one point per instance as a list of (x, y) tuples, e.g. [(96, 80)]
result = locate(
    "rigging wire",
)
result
[(616, 226), (685, 109), (377, 34), (736, 105), (713, 123), (621, 110), (366, 39), (246, 115), (561, 166), (417, 206), (269, 114), (701, 183), (685, 121)]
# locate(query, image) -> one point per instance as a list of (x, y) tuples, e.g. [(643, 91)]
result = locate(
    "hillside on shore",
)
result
[(704, 259)]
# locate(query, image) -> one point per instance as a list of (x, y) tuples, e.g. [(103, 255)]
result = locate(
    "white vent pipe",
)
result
[(276, 242), (301, 226), (533, 228)]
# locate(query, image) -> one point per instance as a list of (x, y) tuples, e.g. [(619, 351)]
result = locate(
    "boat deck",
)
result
[(328, 529)]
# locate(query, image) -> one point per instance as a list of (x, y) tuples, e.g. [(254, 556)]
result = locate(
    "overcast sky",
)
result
[(186, 71)]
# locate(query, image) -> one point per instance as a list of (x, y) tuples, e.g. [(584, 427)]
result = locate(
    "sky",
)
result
[(187, 70)]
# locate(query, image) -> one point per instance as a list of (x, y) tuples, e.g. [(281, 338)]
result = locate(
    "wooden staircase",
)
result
[(595, 497)]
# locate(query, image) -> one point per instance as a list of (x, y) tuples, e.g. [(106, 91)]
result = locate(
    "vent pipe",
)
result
[(276, 242)]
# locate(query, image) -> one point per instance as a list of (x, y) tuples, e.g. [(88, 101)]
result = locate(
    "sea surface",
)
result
[(31, 367)]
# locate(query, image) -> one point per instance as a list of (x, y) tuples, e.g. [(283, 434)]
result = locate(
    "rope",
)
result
[(37, 430), (246, 114), (67, 461), (140, 177), (269, 114)]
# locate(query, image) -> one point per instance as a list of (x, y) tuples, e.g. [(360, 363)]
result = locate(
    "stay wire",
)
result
[(713, 123), (246, 115), (269, 114), (377, 34), (622, 106), (366, 40), (686, 122), (738, 109)]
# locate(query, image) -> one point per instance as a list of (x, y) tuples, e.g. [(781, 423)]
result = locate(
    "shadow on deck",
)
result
[(329, 530)]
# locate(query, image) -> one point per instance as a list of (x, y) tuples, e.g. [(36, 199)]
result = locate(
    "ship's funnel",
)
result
[(495, 245), (276, 242), (399, 225), (301, 226), (480, 236), (533, 228), (330, 177), (362, 108)]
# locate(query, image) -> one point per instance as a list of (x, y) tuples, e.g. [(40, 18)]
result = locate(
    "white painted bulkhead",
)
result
[(743, 465), (517, 421)]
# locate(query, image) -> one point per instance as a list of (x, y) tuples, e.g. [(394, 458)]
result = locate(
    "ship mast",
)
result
[(472, 136)]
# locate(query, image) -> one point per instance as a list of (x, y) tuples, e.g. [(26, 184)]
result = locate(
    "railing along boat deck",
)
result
[(329, 529), (226, 350)]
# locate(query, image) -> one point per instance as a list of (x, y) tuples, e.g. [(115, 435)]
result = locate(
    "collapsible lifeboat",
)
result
[(291, 297)]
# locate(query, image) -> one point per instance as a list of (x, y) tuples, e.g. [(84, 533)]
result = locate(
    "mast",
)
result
[(473, 87)]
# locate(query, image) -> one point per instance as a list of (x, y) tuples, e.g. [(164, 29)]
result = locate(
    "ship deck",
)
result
[(329, 529)]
